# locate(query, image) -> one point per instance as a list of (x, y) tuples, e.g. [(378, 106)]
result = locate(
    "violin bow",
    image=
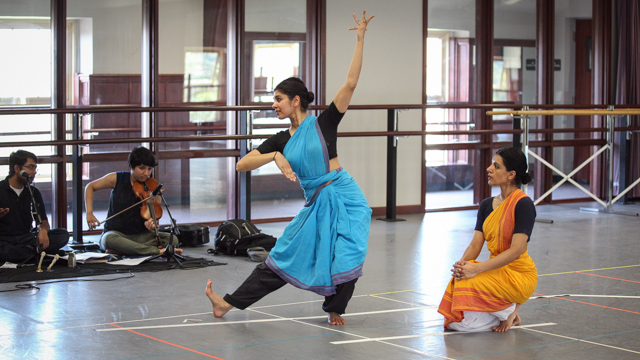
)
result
[(130, 207)]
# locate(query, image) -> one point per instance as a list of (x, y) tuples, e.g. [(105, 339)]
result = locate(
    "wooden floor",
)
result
[(593, 257)]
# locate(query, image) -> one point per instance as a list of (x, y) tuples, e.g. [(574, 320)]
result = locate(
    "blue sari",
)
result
[(326, 243)]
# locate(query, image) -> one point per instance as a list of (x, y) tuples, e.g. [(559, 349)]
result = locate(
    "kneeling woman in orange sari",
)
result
[(488, 295)]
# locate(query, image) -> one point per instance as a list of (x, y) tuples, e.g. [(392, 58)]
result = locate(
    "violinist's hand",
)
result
[(284, 166), (92, 221), (149, 224), (3, 212)]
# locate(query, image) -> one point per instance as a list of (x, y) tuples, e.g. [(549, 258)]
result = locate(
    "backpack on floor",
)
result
[(235, 236)]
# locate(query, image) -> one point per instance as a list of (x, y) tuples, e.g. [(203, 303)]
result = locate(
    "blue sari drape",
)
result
[(326, 243)]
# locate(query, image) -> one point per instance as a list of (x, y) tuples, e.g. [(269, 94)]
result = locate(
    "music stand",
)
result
[(169, 250)]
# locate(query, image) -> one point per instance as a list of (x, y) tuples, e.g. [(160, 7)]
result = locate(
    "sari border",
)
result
[(347, 276), (316, 193), (325, 151), (320, 290)]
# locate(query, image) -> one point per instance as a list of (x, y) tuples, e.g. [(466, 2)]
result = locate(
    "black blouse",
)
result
[(525, 215), (328, 122)]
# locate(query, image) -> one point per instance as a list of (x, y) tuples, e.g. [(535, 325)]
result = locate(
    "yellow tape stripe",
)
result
[(559, 273), (572, 272), (395, 292)]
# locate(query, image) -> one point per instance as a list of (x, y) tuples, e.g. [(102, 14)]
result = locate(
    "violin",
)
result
[(150, 209), (144, 191)]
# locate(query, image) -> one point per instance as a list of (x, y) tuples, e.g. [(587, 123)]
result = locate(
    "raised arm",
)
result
[(343, 96), (473, 250)]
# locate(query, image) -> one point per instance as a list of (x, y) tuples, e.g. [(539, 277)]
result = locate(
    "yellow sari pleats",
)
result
[(496, 289)]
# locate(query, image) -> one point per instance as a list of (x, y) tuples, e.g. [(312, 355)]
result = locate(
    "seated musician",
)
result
[(128, 233), (17, 235), (488, 295)]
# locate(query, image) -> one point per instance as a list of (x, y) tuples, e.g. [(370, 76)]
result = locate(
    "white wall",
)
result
[(181, 23), (453, 15), (25, 8), (117, 33), (276, 16), (515, 21), (391, 74)]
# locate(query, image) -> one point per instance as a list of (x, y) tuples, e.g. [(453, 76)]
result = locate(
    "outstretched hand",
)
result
[(362, 25), (284, 166)]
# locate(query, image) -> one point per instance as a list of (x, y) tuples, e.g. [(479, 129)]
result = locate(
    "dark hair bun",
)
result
[(310, 96), (526, 178)]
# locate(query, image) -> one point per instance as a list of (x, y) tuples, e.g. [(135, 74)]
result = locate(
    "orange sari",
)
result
[(496, 289)]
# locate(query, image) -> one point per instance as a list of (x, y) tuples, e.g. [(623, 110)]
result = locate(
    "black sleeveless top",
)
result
[(122, 196)]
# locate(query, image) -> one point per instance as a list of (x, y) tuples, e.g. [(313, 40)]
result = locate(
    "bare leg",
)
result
[(335, 319), (220, 307), (513, 319)]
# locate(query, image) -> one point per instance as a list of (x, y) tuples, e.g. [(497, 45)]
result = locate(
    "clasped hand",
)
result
[(464, 270)]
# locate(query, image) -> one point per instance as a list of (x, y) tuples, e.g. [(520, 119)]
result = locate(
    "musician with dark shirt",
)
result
[(18, 236)]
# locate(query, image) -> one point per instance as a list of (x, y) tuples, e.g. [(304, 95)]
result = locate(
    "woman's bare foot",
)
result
[(220, 307), (335, 319), (512, 320), (517, 320), (175, 250)]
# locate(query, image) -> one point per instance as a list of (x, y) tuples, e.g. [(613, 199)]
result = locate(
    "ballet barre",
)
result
[(610, 113)]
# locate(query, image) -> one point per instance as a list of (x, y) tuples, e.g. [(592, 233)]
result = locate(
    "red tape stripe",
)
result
[(168, 343), (608, 277), (602, 306)]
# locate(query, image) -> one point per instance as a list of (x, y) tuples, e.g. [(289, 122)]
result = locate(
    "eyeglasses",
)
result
[(31, 167)]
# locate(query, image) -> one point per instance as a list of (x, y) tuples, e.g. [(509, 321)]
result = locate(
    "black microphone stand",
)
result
[(35, 215), (169, 250)]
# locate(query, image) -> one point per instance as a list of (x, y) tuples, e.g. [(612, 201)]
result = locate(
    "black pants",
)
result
[(263, 281), (17, 249)]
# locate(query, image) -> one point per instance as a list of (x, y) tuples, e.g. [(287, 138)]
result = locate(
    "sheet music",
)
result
[(130, 261)]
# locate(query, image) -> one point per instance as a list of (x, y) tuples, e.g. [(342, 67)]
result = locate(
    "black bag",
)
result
[(234, 237), (190, 234)]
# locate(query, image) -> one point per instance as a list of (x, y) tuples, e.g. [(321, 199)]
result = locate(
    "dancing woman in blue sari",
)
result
[(323, 248)]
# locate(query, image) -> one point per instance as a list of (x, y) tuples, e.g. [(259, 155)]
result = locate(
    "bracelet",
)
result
[(274, 156)]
